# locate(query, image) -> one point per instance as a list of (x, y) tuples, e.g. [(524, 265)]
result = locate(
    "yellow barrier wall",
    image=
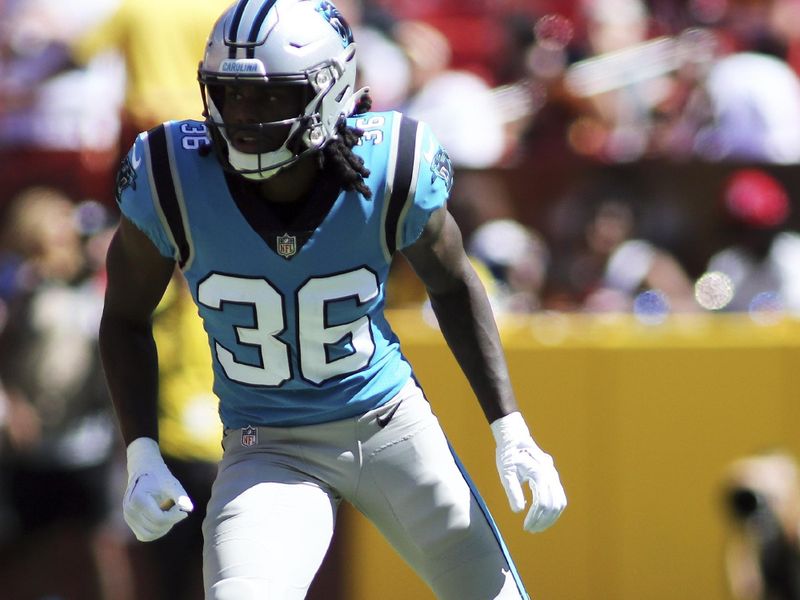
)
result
[(641, 419)]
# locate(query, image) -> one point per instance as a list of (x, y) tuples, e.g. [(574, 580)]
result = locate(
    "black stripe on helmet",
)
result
[(261, 16), (233, 32)]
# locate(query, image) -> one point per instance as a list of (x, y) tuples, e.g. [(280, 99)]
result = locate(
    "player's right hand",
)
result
[(154, 500)]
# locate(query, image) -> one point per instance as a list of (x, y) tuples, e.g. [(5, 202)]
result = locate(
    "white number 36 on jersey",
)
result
[(314, 335)]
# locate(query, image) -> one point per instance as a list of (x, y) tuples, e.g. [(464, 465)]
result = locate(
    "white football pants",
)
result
[(273, 506)]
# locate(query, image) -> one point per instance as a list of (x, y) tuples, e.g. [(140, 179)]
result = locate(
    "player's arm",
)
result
[(462, 308), (467, 323), (137, 278)]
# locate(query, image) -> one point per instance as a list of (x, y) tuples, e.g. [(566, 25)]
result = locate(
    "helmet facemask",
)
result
[(254, 148)]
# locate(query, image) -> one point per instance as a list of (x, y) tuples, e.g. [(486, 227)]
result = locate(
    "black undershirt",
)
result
[(272, 220)]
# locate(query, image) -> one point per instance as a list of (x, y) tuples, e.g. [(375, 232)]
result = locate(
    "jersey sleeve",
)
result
[(430, 188), (136, 199)]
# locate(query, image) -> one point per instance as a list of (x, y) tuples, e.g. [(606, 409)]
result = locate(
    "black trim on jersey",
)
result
[(257, 23), (234, 30), (404, 171), (270, 220), (165, 190)]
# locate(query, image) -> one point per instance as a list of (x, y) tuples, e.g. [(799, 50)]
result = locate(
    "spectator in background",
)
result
[(617, 85), (159, 43), (383, 65), (449, 100), (762, 501), (55, 131), (713, 92), (58, 436), (783, 18), (517, 258), (611, 264), (754, 102), (762, 258), (631, 265), (732, 96)]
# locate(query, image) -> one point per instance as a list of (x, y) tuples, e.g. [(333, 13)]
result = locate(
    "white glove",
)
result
[(154, 500), (519, 459)]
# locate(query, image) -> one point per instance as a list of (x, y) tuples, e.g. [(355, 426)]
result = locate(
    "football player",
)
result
[(283, 210)]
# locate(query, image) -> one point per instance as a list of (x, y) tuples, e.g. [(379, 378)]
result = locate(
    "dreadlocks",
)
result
[(338, 154)]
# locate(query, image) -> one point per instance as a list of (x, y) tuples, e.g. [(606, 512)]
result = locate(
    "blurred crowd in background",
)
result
[(549, 109), (610, 156)]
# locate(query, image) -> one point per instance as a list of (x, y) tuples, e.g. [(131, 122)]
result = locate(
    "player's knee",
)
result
[(444, 527)]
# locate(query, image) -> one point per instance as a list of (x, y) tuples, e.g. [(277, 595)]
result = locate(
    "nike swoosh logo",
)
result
[(383, 420)]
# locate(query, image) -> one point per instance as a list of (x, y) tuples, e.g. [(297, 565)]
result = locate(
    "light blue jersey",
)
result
[(294, 312)]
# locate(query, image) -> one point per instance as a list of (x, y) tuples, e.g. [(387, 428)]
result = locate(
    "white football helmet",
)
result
[(283, 42)]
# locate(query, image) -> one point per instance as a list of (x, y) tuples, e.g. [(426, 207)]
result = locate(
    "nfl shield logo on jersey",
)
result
[(286, 245), (249, 436)]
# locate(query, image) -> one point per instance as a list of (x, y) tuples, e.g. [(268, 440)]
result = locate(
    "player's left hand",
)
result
[(519, 459)]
